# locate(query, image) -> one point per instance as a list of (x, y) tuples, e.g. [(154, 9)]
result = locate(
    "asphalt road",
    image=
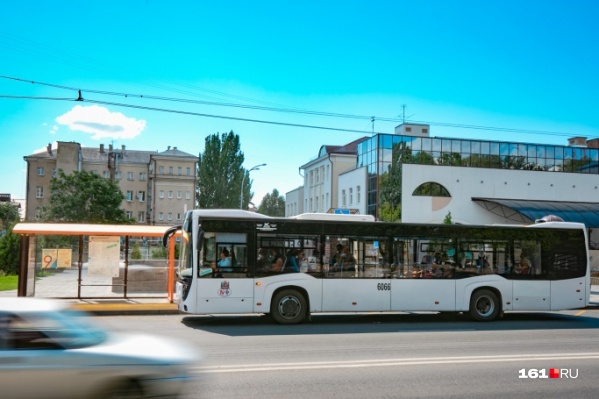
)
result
[(386, 356)]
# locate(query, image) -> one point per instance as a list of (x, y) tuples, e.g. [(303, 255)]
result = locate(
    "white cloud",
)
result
[(54, 129), (101, 123)]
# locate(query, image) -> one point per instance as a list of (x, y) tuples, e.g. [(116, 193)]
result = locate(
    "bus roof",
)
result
[(229, 213), (334, 216)]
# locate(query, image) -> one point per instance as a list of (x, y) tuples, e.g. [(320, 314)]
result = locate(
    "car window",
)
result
[(54, 330)]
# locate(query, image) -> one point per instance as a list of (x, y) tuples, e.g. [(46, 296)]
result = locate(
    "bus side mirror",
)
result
[(168, 234)]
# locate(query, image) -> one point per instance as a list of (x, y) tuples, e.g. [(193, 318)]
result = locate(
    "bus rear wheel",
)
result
[(288, 307), (484, 305)]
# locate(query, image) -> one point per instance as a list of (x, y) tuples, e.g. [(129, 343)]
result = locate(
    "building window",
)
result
[(142, 176), (106, 174), (351, 196), (424, 130), (179, 194), (170, 170), (129, 175), (170, 194), (161, 170), (128, 214), (408, 129), (161, 194), (187, 195), (129, 196), (141, 196), (170, 216), (53, 172), (141, 216), (40, 171), (188, 171), (178, 216), (161, 216), (39, 192), (118, 176), (358, 194), (179, 170), (38, 214), (343, 199), (316, 204), (431, 189)]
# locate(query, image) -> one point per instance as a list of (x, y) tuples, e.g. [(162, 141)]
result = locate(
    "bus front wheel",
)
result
[(288, 307), (484, 305)]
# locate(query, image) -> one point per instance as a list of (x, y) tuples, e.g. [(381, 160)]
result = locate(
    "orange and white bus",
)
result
[(291, 268)]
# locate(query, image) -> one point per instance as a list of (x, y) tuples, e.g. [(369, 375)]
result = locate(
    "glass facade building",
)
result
[(382, 155)]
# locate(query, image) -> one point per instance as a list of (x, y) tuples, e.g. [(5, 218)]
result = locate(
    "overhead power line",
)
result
[(259, 108)]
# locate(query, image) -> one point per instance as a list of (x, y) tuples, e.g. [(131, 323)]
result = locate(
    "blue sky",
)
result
[(522, 65)]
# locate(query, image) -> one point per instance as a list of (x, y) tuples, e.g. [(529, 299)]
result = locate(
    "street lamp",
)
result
[(257, 167)]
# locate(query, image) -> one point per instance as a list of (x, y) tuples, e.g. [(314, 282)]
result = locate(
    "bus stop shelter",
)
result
[(104, 239)]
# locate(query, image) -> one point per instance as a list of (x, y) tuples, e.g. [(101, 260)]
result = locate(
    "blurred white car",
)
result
[(48, 350)]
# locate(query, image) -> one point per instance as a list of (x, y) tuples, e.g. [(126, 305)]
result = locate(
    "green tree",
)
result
[(272, 204), (220, 173), (9, 254), (135, 252), (9, 215), (448, 219), (84, 197), (389, 213), (390, 184), (9, 242)]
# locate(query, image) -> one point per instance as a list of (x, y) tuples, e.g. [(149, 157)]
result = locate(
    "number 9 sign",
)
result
[(49, 259)]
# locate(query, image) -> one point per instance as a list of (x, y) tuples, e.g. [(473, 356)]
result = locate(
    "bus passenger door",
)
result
[(226, 288)]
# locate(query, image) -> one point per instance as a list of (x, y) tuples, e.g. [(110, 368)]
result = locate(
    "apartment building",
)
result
[(321, 176), (158, 186)]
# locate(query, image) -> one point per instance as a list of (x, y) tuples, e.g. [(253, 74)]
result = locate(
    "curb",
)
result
[(119, 309)]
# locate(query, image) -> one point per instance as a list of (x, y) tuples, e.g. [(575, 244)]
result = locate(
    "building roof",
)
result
[(349, 148), (174, 152), (527, 211), (91, 154)]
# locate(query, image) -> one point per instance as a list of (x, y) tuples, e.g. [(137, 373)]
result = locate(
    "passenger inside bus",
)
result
[(291, 265), (277, 263), (524, 266)]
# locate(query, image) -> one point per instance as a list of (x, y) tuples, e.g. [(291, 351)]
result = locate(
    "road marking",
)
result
[(579, 313), (392, 362)]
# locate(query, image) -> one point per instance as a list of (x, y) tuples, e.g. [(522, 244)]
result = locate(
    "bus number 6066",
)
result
[(383, 286)]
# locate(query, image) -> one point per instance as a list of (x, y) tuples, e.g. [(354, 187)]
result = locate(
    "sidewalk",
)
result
[(97, 296)]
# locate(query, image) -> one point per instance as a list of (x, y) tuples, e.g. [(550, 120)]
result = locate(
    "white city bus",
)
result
[(294, 267)]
